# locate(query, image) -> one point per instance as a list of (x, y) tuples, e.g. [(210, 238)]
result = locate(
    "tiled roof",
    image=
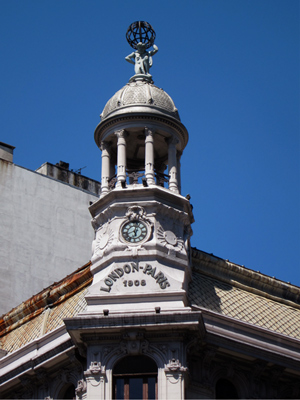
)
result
[(45, 311), (50, 319), (244, 303), (217, 285)]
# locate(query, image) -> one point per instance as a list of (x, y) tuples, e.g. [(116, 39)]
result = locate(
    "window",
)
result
[(67, 392), (225, 390), (135, 377)]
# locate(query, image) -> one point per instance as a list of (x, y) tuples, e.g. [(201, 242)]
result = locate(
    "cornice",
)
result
[(240, 336), (169, 121), (168, 321)]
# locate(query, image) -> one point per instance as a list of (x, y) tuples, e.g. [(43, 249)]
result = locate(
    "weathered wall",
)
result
[(45, 232)]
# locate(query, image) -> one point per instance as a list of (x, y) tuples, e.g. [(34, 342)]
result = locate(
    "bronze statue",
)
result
[(141, 58)]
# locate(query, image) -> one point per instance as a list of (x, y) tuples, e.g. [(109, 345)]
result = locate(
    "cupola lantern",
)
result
[(140, 133)]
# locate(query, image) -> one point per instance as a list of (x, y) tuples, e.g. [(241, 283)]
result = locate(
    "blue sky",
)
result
[(232, 69)]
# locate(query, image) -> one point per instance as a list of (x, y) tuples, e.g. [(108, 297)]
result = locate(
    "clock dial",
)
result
[(134, 231)]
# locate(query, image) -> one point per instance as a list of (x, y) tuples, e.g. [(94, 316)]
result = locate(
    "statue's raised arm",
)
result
[(154, 51)]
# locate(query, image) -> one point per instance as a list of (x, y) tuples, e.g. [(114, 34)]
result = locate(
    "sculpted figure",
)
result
[(141, 58)]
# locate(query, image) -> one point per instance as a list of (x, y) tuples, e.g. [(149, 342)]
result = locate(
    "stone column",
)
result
[(172, 164), (179, 154), (121, 157), (149, 156), (105, 174), (175, 376), (95, 381)]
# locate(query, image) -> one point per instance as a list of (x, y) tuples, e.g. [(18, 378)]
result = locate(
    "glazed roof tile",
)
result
[(231, 297), (233, 302)]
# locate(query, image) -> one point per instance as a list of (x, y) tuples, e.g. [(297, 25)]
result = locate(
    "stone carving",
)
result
[(104, 238), (81, 388), (133, 343), (107, 215), (136, 213), (175, 366), (95, 369), (169, 240), (107, 350), (95, 374)]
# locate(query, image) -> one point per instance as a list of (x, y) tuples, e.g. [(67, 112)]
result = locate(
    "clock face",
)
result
[(134, 231)]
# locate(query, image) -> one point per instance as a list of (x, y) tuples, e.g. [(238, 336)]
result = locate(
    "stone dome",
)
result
[(140, 96)]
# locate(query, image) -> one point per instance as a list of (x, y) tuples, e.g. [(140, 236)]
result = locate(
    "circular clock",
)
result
[(134, 231)]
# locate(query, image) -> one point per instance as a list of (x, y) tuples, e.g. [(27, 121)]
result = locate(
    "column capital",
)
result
[(149, 131), (172, 140), (121, 133), (105, 146)]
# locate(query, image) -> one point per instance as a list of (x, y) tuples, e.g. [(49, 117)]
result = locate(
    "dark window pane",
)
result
[(70, 392), (135, 388), (225, 390), (151, 388), (119, 388), (135, 364)]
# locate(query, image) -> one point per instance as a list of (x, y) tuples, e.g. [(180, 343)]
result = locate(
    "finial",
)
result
[(140, 35)]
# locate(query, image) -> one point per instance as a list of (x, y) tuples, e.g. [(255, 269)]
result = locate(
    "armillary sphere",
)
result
[(140, 32)]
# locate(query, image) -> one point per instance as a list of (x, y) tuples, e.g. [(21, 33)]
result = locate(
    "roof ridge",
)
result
[(245, 278), (50, 296)]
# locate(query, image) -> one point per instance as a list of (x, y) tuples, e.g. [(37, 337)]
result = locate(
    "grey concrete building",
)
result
[(45, 228)]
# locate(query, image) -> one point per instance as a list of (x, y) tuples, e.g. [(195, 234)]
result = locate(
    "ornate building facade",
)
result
[(150, 317)]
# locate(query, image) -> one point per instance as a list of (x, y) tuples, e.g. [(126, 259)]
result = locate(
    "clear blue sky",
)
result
[(232, 69)]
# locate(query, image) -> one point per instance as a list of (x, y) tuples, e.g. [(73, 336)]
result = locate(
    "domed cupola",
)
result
[(140, 133), (140, 96)]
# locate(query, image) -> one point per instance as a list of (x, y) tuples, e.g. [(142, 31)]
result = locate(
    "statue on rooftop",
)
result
[(140, 35), (142, 59)]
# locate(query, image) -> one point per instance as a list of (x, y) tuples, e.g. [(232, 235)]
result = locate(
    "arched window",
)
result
[(225, 390), (67, 392), (135, 377)]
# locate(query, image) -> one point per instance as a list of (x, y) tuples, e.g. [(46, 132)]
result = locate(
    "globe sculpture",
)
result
[(140, 32), (140, 36)]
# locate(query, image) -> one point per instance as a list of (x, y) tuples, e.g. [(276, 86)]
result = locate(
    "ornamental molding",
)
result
[(81, 388), (169, 240), (174, 366), (104, 239), (173, 213), (178, 127), (137, 213), (134, 343), (95, 369), (104, 216)]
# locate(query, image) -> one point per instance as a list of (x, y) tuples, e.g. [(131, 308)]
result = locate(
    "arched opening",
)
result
[(135, 377), (226, 390), (67, 392)]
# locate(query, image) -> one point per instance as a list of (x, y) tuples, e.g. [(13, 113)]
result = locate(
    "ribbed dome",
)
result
[(140, 96)]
